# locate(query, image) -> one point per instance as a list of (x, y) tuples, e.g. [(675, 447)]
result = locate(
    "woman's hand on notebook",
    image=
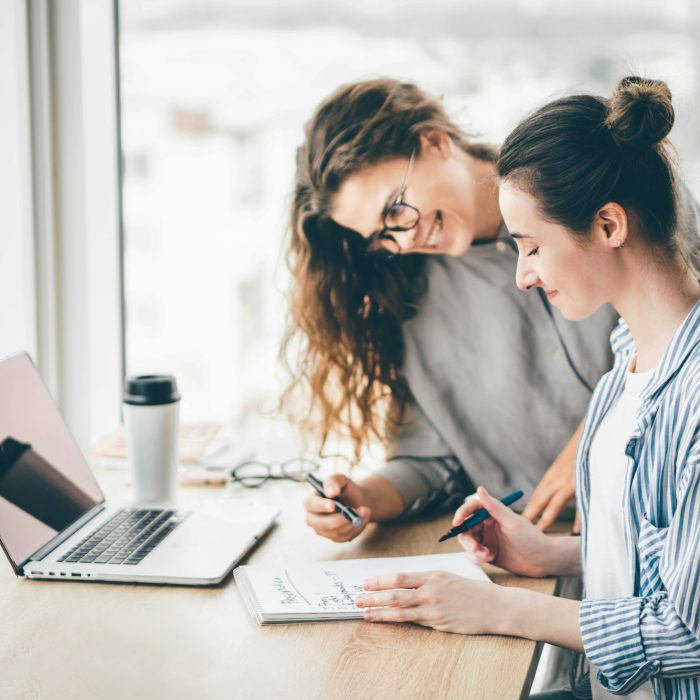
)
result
[(321, 514), (438, 599), (506, 539)]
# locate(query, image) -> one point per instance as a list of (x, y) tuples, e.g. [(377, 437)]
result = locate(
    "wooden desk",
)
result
[(85, 640)]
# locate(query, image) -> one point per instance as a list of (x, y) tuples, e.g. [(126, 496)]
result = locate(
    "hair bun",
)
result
[(640, 112)]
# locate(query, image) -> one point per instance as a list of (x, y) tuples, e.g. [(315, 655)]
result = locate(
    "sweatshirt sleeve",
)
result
[(421, 466)]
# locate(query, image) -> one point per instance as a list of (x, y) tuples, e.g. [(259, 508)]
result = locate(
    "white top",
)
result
[(606, 564)]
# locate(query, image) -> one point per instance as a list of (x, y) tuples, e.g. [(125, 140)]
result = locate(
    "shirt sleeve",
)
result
[(632, 639), (422, 467)]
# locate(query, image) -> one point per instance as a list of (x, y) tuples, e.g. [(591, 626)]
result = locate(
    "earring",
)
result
[(619, 245)]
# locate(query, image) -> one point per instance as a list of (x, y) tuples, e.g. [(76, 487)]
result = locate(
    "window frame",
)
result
[(68, 189)]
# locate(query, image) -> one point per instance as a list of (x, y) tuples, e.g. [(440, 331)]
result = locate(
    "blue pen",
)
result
[(479, 517)]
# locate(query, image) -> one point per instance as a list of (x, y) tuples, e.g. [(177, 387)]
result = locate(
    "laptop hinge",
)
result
[(62, 536)]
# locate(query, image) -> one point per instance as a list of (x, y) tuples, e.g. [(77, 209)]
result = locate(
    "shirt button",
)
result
[(501, 246)]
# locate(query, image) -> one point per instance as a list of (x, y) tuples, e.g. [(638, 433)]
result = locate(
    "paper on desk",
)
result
[(327, 590)]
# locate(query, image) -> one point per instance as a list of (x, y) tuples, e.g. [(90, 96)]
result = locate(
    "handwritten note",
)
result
[(327, 590)]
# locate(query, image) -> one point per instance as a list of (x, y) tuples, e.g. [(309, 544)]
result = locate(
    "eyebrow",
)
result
[(520, 235)]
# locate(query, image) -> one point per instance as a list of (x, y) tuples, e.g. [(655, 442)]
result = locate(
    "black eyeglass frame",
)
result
[(378, 237), (303, 465)]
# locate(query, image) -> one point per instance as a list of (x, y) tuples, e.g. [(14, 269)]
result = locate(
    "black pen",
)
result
[(479, 517), (340, 507)]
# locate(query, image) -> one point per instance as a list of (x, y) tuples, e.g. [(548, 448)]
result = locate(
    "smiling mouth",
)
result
[(551, 294), (435, 234)]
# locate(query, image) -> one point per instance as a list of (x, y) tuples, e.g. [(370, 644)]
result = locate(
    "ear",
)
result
[(436, 143), (611, 225)]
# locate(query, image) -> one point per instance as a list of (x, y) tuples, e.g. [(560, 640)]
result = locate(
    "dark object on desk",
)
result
[(340, 507), (479, 517)]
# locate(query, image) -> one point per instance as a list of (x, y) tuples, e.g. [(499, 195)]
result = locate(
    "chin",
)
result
[(576, 313), (459, 246)]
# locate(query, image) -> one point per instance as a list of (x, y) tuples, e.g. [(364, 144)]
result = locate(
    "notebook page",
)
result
[(327, 588)]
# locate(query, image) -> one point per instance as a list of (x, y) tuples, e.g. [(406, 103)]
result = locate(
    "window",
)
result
[(214, 98)]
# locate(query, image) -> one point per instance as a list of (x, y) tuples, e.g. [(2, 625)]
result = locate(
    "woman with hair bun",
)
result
[(589, 194), (410, 329)]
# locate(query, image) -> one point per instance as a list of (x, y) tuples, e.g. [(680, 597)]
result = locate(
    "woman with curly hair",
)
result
[(407, 327)]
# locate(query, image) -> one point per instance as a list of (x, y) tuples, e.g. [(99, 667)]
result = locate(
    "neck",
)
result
[(488, 219), (654, 302)]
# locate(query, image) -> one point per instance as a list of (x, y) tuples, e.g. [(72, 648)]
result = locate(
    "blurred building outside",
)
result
[(214, 99)]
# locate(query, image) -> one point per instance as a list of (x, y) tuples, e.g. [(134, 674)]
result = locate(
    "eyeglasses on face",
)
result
[(400, 216)]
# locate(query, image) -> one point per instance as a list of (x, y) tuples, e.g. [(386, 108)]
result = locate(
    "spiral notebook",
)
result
[(321, 591)]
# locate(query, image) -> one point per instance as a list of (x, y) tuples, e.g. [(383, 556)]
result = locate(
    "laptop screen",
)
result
[(45, 482)]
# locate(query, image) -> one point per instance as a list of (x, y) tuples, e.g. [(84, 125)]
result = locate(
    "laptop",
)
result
[(56, 524)]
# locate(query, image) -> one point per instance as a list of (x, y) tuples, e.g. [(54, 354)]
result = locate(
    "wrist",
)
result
[(542, 618), (382, 497), (563, 556), (546, 618), (512, 604), (368, 501), (538, 554), (541, 560)]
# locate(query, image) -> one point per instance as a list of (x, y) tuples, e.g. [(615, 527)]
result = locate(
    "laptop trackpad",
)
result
[(212, 537)]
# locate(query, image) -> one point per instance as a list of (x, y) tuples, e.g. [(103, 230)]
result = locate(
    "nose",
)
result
[(525, 276)]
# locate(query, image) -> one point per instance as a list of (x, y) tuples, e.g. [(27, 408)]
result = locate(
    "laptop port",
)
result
[(78, 575)]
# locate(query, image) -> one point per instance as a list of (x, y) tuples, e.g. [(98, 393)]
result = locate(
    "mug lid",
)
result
[(150, 390)]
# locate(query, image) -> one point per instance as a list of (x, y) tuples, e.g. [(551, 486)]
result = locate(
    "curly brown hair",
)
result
[(347, 307)]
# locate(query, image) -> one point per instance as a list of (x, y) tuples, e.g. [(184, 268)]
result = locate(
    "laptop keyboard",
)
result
[(126, 538)]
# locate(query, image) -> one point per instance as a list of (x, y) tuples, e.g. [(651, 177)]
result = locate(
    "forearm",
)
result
[(563, 557), (382, 498), (540, 617)]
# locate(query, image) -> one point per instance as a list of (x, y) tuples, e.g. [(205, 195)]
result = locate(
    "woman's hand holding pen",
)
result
[(374, 498), (321, 512), (506, 539)]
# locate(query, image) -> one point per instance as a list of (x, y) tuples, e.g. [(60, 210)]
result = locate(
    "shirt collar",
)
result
[(621, 340), (684, 341)]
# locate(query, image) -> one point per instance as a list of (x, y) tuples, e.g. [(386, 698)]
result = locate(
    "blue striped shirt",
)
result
[(655, 634)]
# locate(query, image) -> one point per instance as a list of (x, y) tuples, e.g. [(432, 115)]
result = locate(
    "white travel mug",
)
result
[(151, 418)]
